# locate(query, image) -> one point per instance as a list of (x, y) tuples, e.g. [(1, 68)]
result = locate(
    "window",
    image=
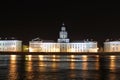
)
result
[(116, 48), (113, 48)]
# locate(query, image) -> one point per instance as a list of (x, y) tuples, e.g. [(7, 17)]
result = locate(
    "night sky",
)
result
[(36, 18)]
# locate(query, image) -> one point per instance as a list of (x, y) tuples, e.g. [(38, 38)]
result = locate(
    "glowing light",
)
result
[(85, 58), (72, 65), (29, 57), (13, 57), (41, 64), (29, 66), (30, 49), (54, 65), (112, 65), (41, 57), (72, 50), (12, 68), (54, 56), (72, 56), (112, 57), (53, 59), (85, 65), (97, 56), (42, 67)]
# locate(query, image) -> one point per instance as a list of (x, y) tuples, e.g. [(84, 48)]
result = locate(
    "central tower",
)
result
[(63, 35)]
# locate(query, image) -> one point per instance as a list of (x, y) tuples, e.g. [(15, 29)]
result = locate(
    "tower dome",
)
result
[(63, 34)]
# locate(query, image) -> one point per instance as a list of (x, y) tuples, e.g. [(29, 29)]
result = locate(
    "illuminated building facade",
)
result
[(10, 45), (63, 44), (112, 46)]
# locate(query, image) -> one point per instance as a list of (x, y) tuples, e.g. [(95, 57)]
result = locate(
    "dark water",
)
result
[(59, 67)]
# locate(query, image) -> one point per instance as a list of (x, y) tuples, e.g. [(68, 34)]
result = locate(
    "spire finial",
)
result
[(63, 24)]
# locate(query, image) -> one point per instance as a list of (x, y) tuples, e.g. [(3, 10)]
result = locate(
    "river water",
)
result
[(55, 67)]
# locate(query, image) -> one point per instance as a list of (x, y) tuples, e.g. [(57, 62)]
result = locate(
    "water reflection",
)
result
[(28, 66), (112, 58), (112, 63), (41, 57), (13, 57), (54, 58), (28, 57), (33, 67), (84, 65), (13, 74), (84, 58), (72, 65), (97, 65)]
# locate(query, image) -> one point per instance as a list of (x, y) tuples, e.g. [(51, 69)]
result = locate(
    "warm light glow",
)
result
[(41, 63), (112, 57), (72, 56), (84, 58), (72, 50), (97, 56), (13, 57), (112, 65), (13, 68), (42, 67), (84, 65), (54, 65), (29, 57), (30, 50), (53, 56), (97, 65), (29, 66), (72, 65), (41, 57), (53, 59)]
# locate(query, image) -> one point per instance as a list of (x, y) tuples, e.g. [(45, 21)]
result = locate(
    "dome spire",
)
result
[(63, 24)]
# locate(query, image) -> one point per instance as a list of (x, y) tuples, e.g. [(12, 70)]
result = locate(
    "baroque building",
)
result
[(10, 45), (112, 46), (63, 44)]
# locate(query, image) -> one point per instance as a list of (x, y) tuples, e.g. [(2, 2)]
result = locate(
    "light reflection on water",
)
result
[(13, 68), (55, 67)]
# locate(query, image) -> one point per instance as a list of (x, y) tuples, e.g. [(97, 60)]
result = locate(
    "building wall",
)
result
[(37, 46), (10, 45), (112, 46)]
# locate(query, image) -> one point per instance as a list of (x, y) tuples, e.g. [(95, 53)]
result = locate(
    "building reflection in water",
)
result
[(97, 65), (54, 58), (112, 63), (84, 65), (29, 57), (81, 68), (84, 58), (41, 57), (29, 67), (112, 77), (112, 58), (72, 57), (42, 66), (72, 65), (13, 74), (13, 57)]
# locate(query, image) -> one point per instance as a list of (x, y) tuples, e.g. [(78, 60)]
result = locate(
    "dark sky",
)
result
[(42, 18)]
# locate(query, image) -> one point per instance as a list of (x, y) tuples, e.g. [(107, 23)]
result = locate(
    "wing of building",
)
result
[(10, 45), (112, 46), (63, 44)]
